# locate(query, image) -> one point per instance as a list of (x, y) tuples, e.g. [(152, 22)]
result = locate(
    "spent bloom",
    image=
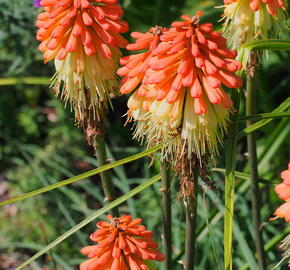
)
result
[(283, 191), (178, 78), (122, 244), (247, 20), (83, 38)]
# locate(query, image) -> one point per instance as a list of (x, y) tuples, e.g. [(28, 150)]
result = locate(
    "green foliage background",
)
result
[(39, 145)]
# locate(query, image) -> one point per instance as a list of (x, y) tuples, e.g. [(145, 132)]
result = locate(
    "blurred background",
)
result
[(40, 145)]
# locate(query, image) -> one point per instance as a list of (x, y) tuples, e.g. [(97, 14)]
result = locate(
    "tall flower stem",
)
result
[(231, 153), (166, 213), (101, 154), (190, 230), (255, 191)]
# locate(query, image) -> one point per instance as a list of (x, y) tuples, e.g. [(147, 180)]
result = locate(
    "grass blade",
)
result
[(231, 149), (281, 108), (89, 219), (25, 80), (262, 116), (267, 44), (83, 175)]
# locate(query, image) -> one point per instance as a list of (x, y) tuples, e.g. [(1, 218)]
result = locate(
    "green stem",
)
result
[(190, 230), (231, 151), (166, 213), (254, 176), (101, 154)]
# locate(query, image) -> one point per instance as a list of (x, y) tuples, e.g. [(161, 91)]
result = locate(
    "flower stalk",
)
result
[(231, 152), (190, 230), (166, 214), (101, 154), (254, 176)]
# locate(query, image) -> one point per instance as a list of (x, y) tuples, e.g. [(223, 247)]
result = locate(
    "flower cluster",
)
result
[(283, 191), (123, 244), (83, 37), (178, 79), (247, 20)]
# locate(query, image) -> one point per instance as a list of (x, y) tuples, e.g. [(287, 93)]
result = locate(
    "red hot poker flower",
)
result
[(283, 191), (179, 81), (194, 56), (123, 244), (136, 66), (83, 37), (68, 25), (272, 5)]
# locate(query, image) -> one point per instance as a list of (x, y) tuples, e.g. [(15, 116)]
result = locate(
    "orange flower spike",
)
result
[(123, 244), (203, 47), (136, 66), (283, 191), (83, 38), (180, 99)]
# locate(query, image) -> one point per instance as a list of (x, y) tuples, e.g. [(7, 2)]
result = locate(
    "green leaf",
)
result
[(231, 150), (264, 116), (83, 175), (267, 44), (281, 108), (92, 217), (25, 80)]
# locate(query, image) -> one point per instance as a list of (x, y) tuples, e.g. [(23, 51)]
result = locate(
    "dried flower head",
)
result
[(123, 244), (83, 38), (179, 99), (247, 20)]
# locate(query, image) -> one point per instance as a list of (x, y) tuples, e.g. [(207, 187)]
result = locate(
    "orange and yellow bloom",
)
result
[(179, 99), (123, 244), (83, 38), (272, 6), (248, 20)]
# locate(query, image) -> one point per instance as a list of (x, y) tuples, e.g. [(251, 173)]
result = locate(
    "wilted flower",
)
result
[(247, 20), (123, 244), (83, 37), (179, 99)]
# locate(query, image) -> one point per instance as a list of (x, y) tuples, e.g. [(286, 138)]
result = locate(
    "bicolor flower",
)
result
[(247, 20), (83, 38), (179, 99), (123, 244)]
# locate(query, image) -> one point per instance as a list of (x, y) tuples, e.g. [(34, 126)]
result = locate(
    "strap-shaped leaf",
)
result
[(25, 80), (83, 175), (267, 44), (281, 108)]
